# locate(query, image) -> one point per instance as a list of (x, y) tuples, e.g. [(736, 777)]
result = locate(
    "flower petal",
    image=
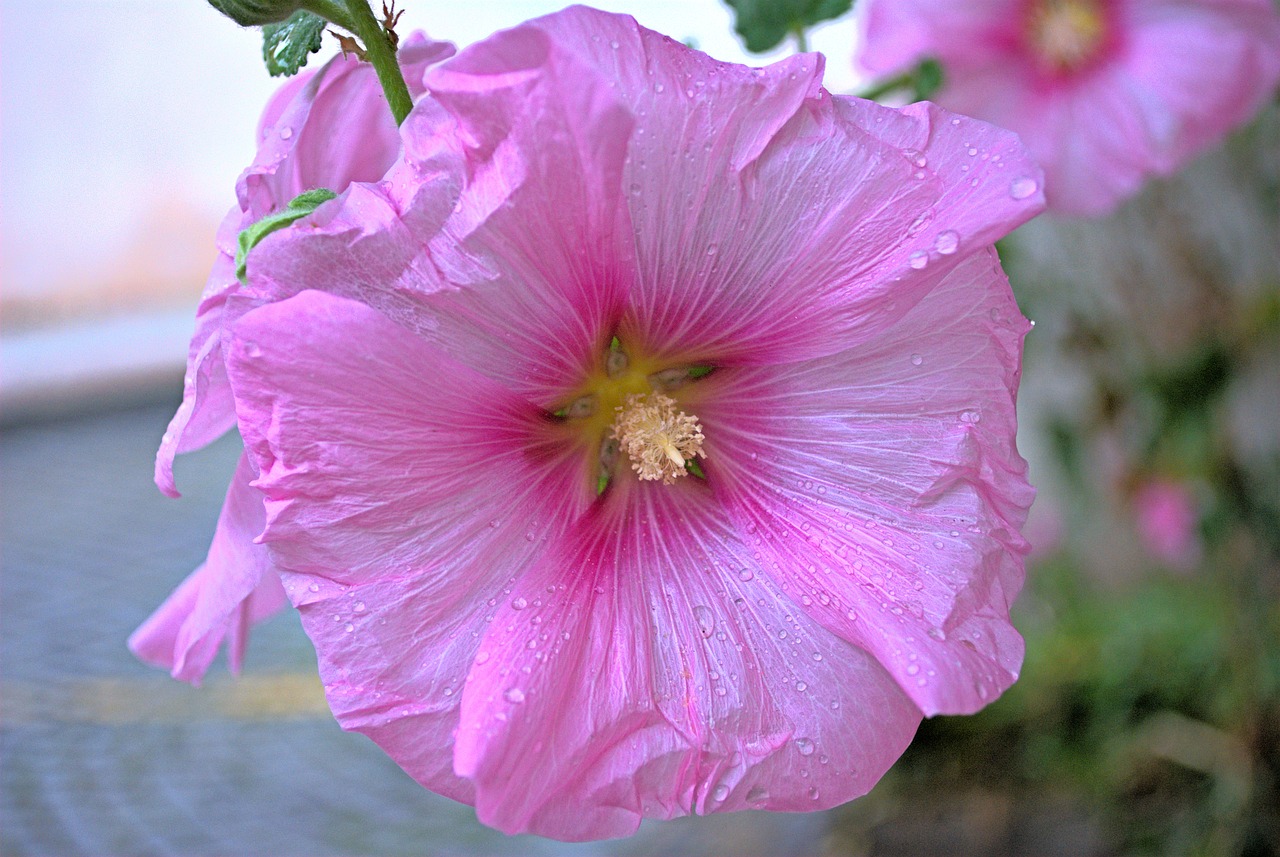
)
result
[(884, 487), (646, 668), (237, 586), (404, 493)]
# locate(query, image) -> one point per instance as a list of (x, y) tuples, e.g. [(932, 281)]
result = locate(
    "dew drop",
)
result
[(482, 657), (947, 242), (349, 628), (286, 132), (912, 669), (706, 622), (814, 794), (359, 607), (315, 587), (805, 746), (802, 686), (721, 792), (916, 360), (919, 259), (1021, 188), (519, 604), (745, 575), (658, 88), (514, 695)]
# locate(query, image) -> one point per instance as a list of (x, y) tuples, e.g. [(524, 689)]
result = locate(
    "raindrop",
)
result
[(721, 792), (1022, 188), (519, 604), (948, 242), (745, 575), (482, 657), (359, 607), (286, 132), (706, 622), (805, 746), (916, 360), (514, 695), (349, 628), (912, 669), (918, 259), (315, 587), (814, 794), (658, 87), (802, 686)]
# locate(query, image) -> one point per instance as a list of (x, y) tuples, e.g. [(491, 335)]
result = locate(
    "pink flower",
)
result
[(676, 473), (1167, 522), (1103, 92), (326, 128)]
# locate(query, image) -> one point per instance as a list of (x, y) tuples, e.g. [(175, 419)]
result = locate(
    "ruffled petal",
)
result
[(326, 128), (884, 488), (236, 587), (647, 668), (404, 494)]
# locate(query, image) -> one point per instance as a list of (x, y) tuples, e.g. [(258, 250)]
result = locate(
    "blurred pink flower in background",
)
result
[(779, 308), (323, 128), (1168, 521), (1103, 92)]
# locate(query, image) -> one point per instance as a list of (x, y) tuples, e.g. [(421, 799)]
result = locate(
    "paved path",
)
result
[(100, 755)]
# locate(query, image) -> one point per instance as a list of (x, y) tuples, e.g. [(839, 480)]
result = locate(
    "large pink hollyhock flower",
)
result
[(326, 128), (1103, 92), (681, 477)]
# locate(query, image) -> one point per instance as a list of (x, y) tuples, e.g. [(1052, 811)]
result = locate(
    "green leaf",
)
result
[(300, 206), (764, 23), (928, 79), (286, 45)]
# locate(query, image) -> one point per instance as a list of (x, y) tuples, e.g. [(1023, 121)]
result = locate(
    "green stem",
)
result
[(802, 42), (382, 56), (893, 84)]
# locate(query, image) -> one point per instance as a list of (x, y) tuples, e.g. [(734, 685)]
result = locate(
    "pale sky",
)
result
[(124, 123)]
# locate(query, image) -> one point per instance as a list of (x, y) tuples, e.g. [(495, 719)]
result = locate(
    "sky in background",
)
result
[(124, 124)]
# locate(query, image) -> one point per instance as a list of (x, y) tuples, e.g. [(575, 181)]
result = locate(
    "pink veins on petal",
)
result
[(512, 586)]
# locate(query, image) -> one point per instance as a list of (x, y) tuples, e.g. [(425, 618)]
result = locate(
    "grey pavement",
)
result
[(101, 755)]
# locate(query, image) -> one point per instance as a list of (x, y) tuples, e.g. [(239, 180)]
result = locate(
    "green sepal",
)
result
[(602, 482), (255, 13), (696, 372), (287, 44), (300, 206), (695, 468), (764, 23)]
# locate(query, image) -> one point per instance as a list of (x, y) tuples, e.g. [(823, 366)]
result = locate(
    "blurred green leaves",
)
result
[(764, 23)]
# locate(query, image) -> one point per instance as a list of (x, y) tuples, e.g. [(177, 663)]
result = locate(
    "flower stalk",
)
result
[(381, 54)]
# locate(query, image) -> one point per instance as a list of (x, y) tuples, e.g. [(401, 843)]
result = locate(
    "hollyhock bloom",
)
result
[(325, 128), (1103, 92), (1168, 518), (675, 473)]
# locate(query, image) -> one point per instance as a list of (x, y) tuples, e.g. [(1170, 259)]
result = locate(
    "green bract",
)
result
[(300, 206)]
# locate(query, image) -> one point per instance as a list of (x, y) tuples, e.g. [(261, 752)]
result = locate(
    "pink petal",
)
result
[(404, 492), (896, 34), (647, 668), (884, 488), (237, 586), (326, 128)]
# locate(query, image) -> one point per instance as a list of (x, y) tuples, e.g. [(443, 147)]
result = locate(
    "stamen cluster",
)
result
[(657, 436)]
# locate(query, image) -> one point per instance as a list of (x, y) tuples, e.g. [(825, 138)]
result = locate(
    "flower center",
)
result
[(629, 405), (658, 437), (1067, 34)]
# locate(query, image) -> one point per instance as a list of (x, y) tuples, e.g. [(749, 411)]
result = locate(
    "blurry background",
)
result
[(1147, 719)]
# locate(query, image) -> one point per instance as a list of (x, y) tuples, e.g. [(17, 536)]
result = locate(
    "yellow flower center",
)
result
[(628, 405), (1066, 34)]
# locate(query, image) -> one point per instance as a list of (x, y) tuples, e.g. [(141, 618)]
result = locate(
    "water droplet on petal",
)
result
[(519, 604), (919, 259), (721, 792), (514, 695), (706, 622), (482, 657), (286, 132), (916, 360), (947, 242), (1022, 188), (359, 607), (814, 794), (805, 746), (745, 575)]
